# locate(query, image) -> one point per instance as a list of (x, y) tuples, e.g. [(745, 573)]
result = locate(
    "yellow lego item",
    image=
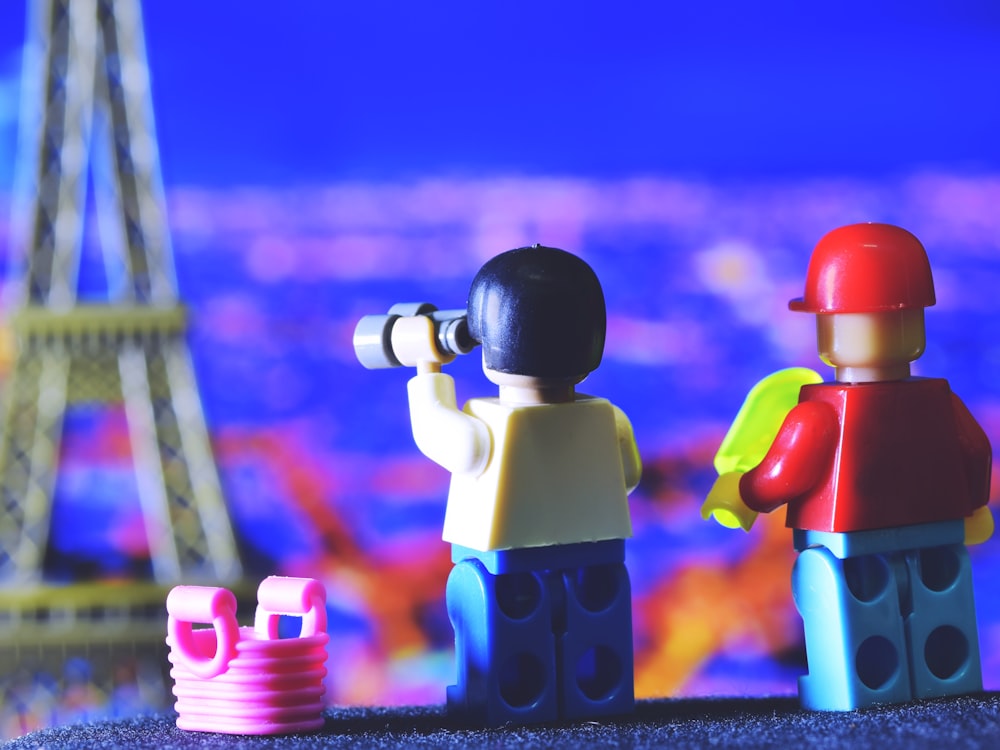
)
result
[(745, 445)]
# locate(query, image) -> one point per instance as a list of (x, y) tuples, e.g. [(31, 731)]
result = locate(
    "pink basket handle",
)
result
[(203, 604), (300, 597)]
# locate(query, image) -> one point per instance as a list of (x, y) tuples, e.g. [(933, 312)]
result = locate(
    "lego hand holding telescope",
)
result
[(412, 334)]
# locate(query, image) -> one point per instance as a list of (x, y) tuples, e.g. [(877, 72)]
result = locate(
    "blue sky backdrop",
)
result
[(307, 92)]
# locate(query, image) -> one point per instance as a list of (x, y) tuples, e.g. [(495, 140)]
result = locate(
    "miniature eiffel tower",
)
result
[(130, 350)]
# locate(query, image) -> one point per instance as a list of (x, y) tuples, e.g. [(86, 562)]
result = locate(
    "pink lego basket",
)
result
[(248, 680)]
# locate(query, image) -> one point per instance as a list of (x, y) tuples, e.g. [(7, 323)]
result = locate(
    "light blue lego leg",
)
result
[(595, 647), (855, 640), (504, 647), (941, 628)]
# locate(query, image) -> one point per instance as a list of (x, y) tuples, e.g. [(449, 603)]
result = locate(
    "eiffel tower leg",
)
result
[(68, 31), (194, 444), (29, 452), (156, 511), (187, 524), (124, 92)]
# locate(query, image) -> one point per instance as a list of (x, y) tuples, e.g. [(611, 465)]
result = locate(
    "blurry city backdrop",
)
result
[(325, 160)]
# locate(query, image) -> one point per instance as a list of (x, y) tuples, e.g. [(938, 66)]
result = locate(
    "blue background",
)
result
[(325, 160), (248, 93)]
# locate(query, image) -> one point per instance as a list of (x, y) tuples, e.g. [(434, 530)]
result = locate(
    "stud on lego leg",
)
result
[(941, 629), (854, 634), (504, 647), (595, 647)]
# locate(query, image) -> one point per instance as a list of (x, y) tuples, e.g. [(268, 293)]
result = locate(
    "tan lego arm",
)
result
[(449, 437), (631, 462)]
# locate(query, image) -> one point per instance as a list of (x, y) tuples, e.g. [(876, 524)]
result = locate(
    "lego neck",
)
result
[(872, 374), (535, 394)]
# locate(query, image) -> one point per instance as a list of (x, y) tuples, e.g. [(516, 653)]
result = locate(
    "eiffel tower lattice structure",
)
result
[(96, 114)]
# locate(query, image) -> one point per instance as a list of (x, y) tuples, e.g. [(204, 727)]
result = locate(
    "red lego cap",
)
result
[(867, 268)]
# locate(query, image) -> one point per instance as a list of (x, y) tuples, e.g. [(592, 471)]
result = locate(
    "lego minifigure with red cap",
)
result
[(885, 478)]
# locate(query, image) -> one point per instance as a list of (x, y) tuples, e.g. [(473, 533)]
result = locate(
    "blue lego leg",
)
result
[(941, 626), (595, 645), (504, 647), (855, 639)]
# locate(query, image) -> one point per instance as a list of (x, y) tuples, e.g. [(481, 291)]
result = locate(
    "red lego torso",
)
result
[(874, 455)]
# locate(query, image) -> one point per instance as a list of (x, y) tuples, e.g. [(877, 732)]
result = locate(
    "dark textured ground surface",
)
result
[(969, 722)]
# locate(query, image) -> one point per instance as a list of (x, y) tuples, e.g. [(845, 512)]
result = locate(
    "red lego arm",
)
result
[(796, 460), (977, 455)]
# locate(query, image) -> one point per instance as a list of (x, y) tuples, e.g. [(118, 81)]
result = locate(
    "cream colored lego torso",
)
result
[(542, 475), (554, 477)]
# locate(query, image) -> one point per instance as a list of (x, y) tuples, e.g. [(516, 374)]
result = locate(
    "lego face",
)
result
[(881, 339)]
